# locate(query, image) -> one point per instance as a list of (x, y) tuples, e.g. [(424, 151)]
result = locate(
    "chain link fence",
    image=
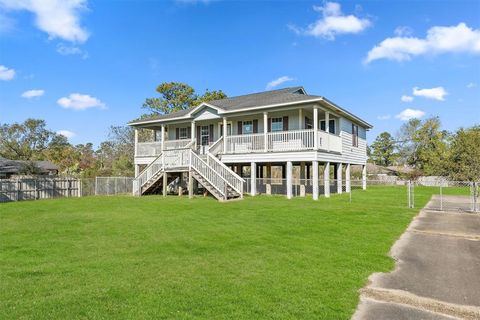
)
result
[(458, 196), (445, 195), (105, 186)]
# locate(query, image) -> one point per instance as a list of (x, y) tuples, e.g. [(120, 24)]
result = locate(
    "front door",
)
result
[(204, 135)]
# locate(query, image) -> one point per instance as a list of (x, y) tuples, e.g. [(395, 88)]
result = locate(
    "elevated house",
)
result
[(214, 144)]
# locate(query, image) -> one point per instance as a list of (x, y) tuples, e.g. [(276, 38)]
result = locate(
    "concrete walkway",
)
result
[(437, 274)]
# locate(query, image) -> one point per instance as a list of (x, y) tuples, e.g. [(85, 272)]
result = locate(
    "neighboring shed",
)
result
[(9, 168)]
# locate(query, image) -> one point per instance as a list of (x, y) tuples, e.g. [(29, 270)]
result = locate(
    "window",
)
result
[(247, 127), (354, 135), (204, 135), (277, 124), (308, 123), (183, 133), (229, 129), (331, 125), (158, 135)]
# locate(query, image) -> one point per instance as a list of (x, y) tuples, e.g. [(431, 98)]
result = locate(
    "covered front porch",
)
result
[(300, 129)]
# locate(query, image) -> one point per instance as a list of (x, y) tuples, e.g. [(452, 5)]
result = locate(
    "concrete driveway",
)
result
[(437, 274)]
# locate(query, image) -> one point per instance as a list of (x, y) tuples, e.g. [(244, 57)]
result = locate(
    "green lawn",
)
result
[(175, 258)]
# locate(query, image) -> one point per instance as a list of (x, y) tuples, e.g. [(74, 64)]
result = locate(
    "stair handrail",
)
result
[(209, 175), (153, 168), (233, 179), (190, 145), (215, 145)]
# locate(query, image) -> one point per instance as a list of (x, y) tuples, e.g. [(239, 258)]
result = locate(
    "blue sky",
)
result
[(83, 66)]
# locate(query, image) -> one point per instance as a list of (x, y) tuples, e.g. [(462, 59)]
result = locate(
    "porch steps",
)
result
[(153, 183), (231, 193), (213, 175)]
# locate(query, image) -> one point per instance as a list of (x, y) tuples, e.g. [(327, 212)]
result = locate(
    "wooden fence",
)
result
[(38, 188)]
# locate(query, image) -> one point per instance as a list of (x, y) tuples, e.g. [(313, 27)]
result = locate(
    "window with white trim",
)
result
[(247, 127), (354, 135), (183, 133), (276, 125), (331, 125)]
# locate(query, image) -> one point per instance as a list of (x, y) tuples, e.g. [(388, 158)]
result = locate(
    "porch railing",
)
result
[(290, 140), (330, 142), (176, 144), (153, 149), (245, 143), (295, 140), (148, 149)]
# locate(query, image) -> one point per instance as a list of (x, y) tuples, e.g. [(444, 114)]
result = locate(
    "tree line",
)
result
[(421, 145), (31, 140), (429, 150)]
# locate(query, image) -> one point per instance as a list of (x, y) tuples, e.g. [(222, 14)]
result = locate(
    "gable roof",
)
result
[(250, 101)]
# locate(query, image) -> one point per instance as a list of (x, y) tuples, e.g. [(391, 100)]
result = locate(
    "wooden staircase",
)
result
[(213, 175), (230, 193)]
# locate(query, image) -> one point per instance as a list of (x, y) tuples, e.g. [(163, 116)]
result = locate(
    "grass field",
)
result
[(174, 258)]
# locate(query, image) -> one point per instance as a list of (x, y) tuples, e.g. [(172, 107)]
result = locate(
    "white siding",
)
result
[(351, 154)]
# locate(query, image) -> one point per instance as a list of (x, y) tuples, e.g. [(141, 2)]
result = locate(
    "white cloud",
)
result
[(406, 98), (6, 73), (71, 50), (408, 114), (58, 18), (332, 23), (385, 117), (66, 133), (403, 31), (459, 38), (471, 85), (77, 101), (33, 93), (437, 93), (274, 83)]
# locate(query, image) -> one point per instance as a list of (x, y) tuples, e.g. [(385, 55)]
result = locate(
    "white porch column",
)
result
[(137, 170), (300, 119), (165, 181), (225, 132), (326, 179), (302, 179), (253, 178), (327, 128), (192, 132), (364, 177), (289, 179), (269, 179), (348, 186), (315, 128), (190, 185), (265, 131), (339, 178), (315, 179), (163, 136), (136, 141)]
